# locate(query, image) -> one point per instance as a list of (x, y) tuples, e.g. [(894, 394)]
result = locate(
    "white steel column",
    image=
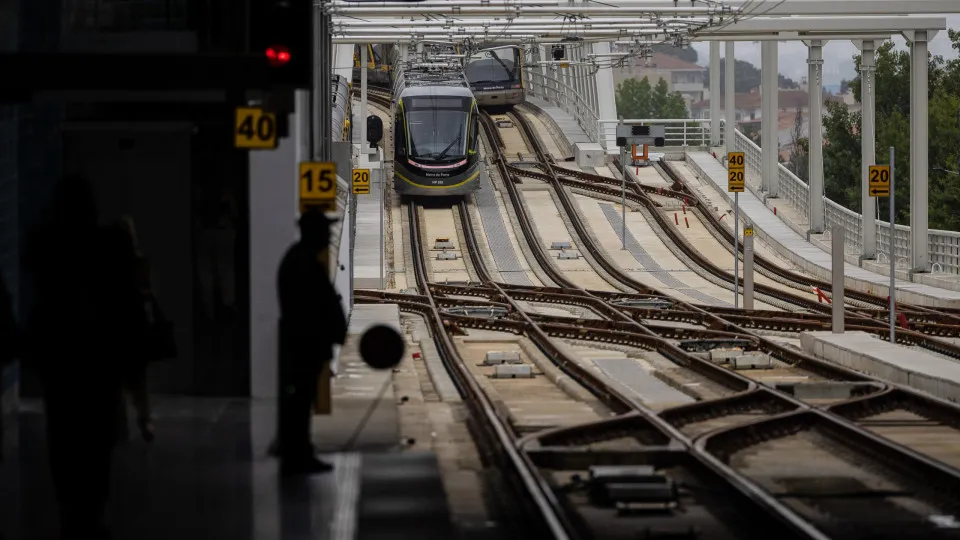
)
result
[(606, 99), (363, 100), (868, 149), (815, 208), (769, 139), (919, 140), (714, 93), (730, 95)]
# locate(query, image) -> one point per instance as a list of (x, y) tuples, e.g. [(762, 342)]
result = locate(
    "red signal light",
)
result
[(278, 55)]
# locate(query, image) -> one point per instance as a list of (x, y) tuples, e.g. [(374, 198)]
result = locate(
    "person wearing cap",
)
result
[(311, 322)]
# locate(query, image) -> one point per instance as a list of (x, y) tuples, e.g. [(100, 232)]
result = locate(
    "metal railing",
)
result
[(552, 89), (944, 246), (678, 132)]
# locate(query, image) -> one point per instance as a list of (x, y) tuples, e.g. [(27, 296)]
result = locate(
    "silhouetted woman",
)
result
[(79, 327), (134, 369)]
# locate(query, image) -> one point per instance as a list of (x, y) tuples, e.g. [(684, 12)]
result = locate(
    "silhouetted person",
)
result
[(80, 327), (134, 368), (311, 322)]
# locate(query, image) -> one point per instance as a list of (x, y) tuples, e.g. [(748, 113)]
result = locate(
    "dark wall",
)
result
[(145, 173), (29, 144)]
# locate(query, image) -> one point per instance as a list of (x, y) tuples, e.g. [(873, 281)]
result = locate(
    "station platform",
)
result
[(869, 354), (808, 256), (208, 474), (565, 123), (367, 242)]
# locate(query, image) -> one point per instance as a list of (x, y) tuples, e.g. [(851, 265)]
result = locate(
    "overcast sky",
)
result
[(837, 55)]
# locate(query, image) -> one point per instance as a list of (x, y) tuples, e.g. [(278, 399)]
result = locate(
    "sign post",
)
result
[(881, 185), (736, 179), (318, 185), (748, 266), (623, 198), (361, 181), (381, 174)]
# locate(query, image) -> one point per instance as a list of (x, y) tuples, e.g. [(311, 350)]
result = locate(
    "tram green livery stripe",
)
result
[(412, 183)]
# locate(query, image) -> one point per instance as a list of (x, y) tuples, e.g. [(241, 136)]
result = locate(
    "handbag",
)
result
[(160, 340)]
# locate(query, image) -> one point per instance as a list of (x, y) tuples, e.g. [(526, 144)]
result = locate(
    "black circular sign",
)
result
[(381, 347)]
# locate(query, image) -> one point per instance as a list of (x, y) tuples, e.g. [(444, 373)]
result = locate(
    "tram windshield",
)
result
[(494, 66), (437, 127)]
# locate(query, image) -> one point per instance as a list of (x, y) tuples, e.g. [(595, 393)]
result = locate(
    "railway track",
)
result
[(927, 323), (942, 322), (715, 437), (767, 405)]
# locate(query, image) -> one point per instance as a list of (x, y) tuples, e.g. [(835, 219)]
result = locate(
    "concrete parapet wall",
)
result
[(904, 293), (894, 363)]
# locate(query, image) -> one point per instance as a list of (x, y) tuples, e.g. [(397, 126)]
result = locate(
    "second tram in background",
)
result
[(380, 61), (436, 131), (496, 76)]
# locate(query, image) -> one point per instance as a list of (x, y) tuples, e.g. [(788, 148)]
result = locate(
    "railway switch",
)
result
[(443, 243), (513, 371), (502, 357), (564, 254), (446, 256), (753, 360), (631, 486), (723, 356), (560, 245)]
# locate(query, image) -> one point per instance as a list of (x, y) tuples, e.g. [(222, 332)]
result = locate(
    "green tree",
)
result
[(658, 101), (842, 141), (633, 98), (637, 99)]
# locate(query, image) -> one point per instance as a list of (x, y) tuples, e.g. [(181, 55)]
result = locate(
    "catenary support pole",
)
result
[(364, 58), (868, 150), (729, 97), (769, 139), (714, 93), (815, 209), (919, 152), (325, 67)]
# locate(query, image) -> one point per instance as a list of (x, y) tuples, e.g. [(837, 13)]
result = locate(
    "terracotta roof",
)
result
[(670, 63), (788, 99)]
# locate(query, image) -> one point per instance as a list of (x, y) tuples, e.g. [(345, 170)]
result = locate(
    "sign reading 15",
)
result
[(318, 180)]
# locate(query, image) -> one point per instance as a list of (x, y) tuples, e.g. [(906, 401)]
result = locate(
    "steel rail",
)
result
[(947, 478), (877, 444)]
